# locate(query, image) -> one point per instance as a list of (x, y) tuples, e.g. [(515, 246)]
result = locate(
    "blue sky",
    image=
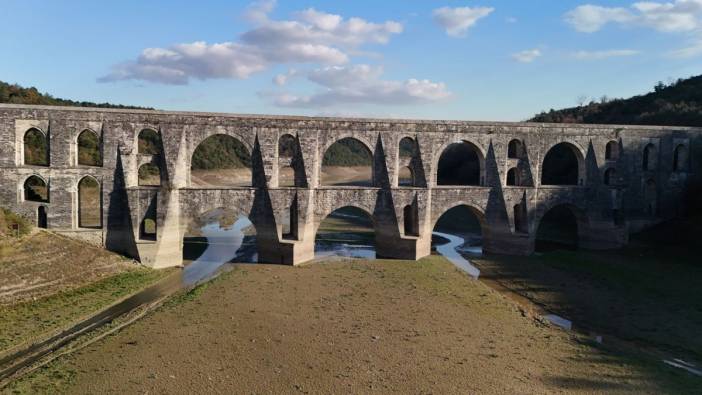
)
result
[(476, 60)]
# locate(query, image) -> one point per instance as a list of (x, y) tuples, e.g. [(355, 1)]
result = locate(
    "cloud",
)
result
[(360, 84), (599, 55), (311, 36), (282, 79), (457, 21), (676, 16), (694, 49), (527, 56)]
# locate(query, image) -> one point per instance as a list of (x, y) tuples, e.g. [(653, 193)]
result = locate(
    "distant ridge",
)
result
[(17, 94), (675, 104)]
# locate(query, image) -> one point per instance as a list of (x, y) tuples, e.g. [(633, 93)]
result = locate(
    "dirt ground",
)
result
[(43, 263), (348, 327), (331, 175)]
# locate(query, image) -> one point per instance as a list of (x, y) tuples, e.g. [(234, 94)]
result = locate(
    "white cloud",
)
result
[(457, 21), (527, 56), (360, 84), (599, 55), (511, 19), (694, 49), (282, 79), (310, 37), (676, 16)]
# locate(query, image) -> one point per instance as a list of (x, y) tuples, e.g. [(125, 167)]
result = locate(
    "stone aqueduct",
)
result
[(614, 194)]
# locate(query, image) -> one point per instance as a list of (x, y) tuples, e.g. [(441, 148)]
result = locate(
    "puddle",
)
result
[(560, 321)]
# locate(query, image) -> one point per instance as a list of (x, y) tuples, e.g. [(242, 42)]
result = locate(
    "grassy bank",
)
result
[(31, 320)]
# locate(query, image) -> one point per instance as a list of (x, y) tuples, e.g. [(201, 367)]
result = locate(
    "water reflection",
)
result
[(223, 245)]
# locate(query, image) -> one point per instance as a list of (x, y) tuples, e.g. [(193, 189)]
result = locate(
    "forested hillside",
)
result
[(675, 104), (16, 94)]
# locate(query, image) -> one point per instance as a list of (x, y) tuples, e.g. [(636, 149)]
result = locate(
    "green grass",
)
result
[(31, 320)]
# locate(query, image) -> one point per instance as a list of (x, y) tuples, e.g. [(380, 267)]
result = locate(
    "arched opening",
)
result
[(405, 178), (36, 190), (89, 152), (650, 160), (558, 230), (521, 222), (561, 166), (610, 176), (651, 197), (458, 235), (36, 148), (346, 232), (411, 220), (347, 162), (612, 151), (149, 175), (42, 220), (290, 224), (89, 203), (148, 226), (463, 222), (221, 161), (514, 149), (215, 238), (149, 142), (287, 153), (460, 164), (407, 147), (513, 177), (680, 158)]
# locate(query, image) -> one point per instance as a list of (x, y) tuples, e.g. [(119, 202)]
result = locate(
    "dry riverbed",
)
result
[(349, 327)]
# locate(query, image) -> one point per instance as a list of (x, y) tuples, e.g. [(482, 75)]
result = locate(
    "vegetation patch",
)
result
[(31, 320)]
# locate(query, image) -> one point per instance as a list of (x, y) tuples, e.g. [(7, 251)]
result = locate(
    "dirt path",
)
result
[(347, 327)]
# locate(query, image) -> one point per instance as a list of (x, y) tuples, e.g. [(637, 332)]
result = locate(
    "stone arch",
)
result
[(364, 215), (515, 149), (563, 164), (680, 158), (35, 148), (291, 171), (35, 189), (610, 176), (221, 160), (89, 148), (352, 154), (149, 175), (580, 222), (460, 163), (477, 212), (89, 203), (149, 142), (612, 151), (521, 217), (650, 158), (513, 178)]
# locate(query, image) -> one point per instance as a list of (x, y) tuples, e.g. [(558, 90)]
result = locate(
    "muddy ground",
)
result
[(349, 327)]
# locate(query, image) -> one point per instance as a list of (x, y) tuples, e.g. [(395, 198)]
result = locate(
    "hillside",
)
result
[(16, 94), (676, 104)]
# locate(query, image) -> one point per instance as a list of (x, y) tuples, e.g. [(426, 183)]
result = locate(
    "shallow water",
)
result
[(452, 251), (224, 245)]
